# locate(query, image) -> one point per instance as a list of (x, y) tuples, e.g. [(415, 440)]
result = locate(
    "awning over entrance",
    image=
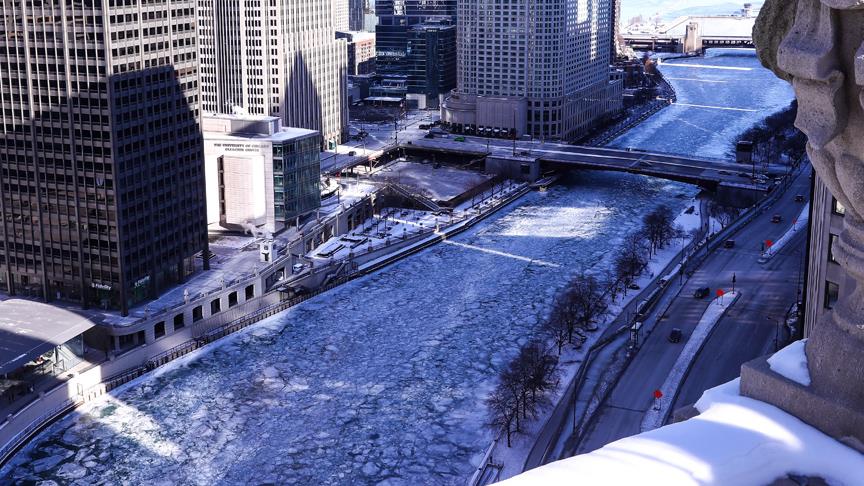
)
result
[(29, 329)]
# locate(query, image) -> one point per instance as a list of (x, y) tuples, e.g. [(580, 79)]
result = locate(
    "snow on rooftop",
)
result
[(734, 441)]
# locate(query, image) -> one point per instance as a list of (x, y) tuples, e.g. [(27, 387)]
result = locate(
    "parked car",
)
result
[(297, 268), (429, 135), (729, 244), (352, 153), (799, 197), (776, 218), (675, 335), (634, 286), (701, 292), (459, 139)]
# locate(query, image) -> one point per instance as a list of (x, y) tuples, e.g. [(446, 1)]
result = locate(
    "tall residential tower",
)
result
[(101, 160), (526, 67), (275, 57)]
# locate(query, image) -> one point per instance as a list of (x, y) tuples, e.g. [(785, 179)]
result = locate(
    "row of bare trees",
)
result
[(522, 389), (524, 384)]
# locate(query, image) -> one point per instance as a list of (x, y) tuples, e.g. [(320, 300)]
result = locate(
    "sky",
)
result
[(672, 8)]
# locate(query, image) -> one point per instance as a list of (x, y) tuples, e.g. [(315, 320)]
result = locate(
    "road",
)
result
[(745, 333), (685, 169)]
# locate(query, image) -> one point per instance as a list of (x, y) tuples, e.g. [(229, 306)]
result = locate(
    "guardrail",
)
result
[(21, 438)]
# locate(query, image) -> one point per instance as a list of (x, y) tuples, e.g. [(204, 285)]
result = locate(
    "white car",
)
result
[(297, 268)]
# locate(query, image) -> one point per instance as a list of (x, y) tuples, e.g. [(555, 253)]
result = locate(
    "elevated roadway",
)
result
[(709, 173)]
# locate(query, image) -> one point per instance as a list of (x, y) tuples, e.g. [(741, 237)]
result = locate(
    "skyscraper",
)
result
[(539, 68), (277, 57), (102, 191), (356, 12), (341, 13)]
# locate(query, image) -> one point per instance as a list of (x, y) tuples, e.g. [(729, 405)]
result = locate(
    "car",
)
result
[(297, 268), (675, 335), (701, 292), (459, 139), (352, 153), (724, 172), (776, 218), (524, 152), (423, 126), (799, 197), (429, 135), (729, 244), (634, 286)]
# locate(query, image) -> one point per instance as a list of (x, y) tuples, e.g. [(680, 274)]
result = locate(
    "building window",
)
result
[(159, 329), (832, 290), (178, 322), (232, 299), (215, 306), (250, 291), (837, 208), (832, 239), (197, 314)]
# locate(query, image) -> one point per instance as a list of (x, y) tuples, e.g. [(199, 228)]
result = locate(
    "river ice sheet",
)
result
[(700, 123), (381, 380)]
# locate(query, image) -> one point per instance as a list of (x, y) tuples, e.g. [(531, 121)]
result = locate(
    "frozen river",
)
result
[(719, 96), (380, 380)]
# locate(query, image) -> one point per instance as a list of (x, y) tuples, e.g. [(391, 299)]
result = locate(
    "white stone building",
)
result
[(258, 174), (278, 58), (537, 68)]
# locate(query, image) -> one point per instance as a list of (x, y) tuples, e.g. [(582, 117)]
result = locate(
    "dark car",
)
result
[(429, 135), (701, 292), (776, 218), (799, 197), (729, 244), (675, 335)]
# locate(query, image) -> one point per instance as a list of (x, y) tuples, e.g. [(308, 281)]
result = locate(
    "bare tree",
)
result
[(658, 228), (631, 260), (724, 214), (557, 327), (587, 302), (501, 406)]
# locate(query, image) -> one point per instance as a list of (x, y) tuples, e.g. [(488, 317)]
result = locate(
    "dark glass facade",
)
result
[(431, 61), (296, 178), (101, 155)]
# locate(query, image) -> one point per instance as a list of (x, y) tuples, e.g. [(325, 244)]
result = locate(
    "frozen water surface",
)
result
[(701, 123), (381, 380)]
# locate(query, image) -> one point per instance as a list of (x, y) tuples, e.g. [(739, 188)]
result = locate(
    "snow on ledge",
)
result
[(736, 440), (791, 362)]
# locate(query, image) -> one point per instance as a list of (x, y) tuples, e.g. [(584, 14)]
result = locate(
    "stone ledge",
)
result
[(836, 419)]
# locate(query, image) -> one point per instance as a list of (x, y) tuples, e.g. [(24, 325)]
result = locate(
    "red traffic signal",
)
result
[(768, 243), (658, 394), (720, 292)]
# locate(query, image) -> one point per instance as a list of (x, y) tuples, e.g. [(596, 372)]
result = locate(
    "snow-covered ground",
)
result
[(381, 380), (719, 97), (735, 440)]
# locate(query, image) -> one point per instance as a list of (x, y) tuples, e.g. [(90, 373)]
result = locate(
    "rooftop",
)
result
[(29, 329)]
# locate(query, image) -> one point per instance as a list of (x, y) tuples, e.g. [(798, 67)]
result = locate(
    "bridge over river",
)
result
[(712, 174)]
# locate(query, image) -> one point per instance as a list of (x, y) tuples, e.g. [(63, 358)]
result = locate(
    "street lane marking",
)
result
[(706, 66), (715, 107)]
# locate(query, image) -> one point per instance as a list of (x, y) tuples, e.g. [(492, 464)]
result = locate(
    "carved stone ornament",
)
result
[(819, 46)]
